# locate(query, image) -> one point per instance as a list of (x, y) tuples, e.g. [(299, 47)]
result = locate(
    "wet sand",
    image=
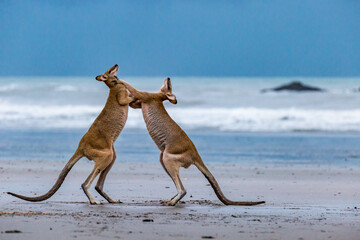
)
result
[(303, 202)]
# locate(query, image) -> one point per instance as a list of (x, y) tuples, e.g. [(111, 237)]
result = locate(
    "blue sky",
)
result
[(180, 38)]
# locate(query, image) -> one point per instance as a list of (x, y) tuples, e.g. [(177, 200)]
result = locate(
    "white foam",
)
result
[(269, 120), (9, 87), (223, 119), (66, 88), (66, 116)]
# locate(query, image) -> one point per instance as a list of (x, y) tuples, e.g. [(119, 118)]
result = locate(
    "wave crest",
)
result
[(223, 119)]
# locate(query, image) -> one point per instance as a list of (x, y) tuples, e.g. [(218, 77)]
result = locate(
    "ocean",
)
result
[(229, 119)]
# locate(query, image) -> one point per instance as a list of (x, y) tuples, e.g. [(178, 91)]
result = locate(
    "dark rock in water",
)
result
[(297, 86), (294, 86), (357, 89)]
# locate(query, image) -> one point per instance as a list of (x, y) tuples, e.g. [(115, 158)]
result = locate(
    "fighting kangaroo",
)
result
[(177, 150), (98, 143)]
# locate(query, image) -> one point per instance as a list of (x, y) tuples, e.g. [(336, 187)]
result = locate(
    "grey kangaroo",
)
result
[(177, 150), (98, 142)]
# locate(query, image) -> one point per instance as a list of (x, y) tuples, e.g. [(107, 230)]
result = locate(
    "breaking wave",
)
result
[(223, 119)]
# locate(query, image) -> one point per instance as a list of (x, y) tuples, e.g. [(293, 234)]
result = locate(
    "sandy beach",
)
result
[(303, 202)]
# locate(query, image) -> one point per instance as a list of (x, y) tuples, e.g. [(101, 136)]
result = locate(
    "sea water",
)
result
[(229, 119)]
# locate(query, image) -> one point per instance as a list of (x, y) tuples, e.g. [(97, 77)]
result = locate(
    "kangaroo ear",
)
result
[(166, 87), (171, 97), (101, 78), (113, 70)]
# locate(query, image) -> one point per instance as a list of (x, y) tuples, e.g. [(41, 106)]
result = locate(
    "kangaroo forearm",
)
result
[(125, 101), (137, 94)]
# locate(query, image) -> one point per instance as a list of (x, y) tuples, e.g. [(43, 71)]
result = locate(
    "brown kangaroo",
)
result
[(177, 150), (98, 143)]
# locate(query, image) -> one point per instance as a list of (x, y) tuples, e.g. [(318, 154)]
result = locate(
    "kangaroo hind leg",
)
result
[(173, 171), (85, 186), (100, 184)]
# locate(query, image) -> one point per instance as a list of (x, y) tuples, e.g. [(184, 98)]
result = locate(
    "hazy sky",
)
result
[(180, 38)]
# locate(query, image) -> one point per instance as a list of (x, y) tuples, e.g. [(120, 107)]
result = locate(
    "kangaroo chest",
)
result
[(120, 118)]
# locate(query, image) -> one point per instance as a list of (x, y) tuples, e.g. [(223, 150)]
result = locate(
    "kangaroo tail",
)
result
[(201, 166), (74, 159)]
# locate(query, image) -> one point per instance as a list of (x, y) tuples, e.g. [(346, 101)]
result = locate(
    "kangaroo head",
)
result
[(166, 89), (109, 77)]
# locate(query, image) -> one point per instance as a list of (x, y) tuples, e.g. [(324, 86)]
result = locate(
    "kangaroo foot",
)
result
[(104, 195), (114, 201), (168, 203), (95, 203)]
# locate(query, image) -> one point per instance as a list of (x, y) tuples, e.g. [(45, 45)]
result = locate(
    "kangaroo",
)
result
[(176, 148), (98, 142)]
